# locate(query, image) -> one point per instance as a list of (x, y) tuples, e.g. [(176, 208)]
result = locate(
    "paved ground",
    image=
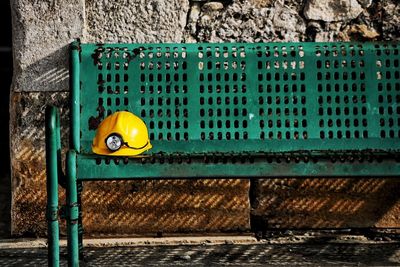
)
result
[(293, 251)]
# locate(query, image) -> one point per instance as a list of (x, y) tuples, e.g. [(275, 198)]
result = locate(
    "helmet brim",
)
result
[(124, 151)]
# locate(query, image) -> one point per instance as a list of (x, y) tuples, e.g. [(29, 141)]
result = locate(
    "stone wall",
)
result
[(41, 33)]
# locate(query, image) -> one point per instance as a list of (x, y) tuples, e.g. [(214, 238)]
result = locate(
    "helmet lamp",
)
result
[(114, 142)]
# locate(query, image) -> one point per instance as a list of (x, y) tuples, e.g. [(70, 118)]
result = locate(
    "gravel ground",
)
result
[(292, 251)]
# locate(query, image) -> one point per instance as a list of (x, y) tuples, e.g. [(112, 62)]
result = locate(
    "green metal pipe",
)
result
[(73, 210), (52, 151), (75, 88), (61, 176), (80, 224)]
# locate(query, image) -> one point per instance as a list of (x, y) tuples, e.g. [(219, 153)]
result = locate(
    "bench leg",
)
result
[(80, 225), (52, 221), (53, 170), (73, 210)]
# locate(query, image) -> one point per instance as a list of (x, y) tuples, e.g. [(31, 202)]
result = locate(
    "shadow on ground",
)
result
[(313, 254)]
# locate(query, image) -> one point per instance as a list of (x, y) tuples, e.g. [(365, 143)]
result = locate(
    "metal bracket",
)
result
[(52, 214), (73, 212), (63, 212), (74, 204)]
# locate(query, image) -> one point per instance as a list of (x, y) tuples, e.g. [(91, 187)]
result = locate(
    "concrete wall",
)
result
[(41, 33)]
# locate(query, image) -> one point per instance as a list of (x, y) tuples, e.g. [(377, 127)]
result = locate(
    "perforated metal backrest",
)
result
[(253, 98)]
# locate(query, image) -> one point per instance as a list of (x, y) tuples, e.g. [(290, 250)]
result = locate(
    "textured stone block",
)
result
[(140, 21), (249, 21), (388, 12), (28, 158), (332, 10), (166, 206), (325, 203), (41, 32)]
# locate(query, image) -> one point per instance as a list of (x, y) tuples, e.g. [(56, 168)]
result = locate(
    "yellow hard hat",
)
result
[(121, 134)]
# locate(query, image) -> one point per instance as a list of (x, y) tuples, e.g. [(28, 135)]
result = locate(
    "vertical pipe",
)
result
[(80, 225), (52, 146), (59, 161), (75, 90), (73, 210)]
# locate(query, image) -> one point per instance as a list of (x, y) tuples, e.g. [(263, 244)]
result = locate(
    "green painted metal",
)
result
[(247, 98), (75, 71), (240, 166), (80, 223), (52, 172), (72, 210), (202, 99)]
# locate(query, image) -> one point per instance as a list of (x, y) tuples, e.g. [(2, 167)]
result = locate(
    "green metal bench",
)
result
[(228, 110)]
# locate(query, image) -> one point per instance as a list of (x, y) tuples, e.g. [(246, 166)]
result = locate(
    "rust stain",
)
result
[(94, 122)]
